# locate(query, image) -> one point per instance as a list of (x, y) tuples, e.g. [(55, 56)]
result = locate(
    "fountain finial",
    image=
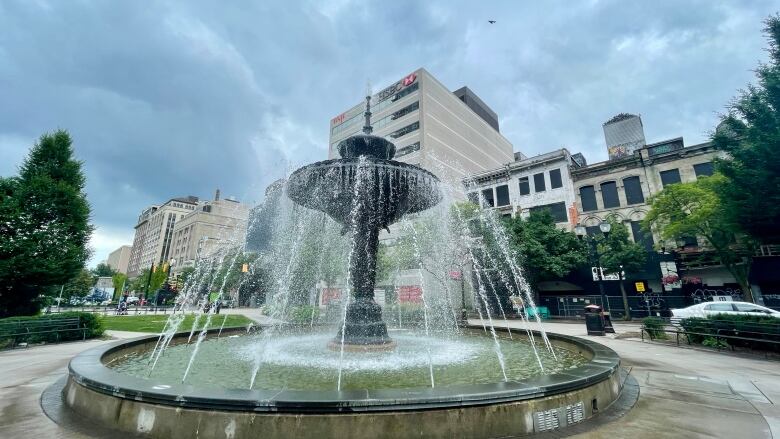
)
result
[(367, 128)]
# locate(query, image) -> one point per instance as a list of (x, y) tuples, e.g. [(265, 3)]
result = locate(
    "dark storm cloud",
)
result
[(168, 99)]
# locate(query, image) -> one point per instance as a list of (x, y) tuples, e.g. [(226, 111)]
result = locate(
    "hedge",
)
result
[(763, 329)]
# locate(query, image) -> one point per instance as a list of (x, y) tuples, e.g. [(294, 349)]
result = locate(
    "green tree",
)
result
[(157, 280), (545, 252), (78, 286), (619, 254), (695, 209), (103, 270), (750, 134), (44, 225), (119, 280)]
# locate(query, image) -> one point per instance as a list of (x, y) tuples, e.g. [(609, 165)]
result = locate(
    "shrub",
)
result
[(89, 326), (655, 328), (694, 327), (755, 327), (304, 314), (714, 342)]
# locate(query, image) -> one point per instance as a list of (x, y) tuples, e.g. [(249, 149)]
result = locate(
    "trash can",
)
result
[(594, 322)]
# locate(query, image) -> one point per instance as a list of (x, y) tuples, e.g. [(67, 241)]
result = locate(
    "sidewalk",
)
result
[(686, 393)]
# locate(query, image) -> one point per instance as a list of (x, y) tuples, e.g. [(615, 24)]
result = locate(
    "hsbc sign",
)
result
[(395, 88), (381, 96)]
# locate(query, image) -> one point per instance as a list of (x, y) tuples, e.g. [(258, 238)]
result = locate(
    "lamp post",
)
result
[(595, 259)]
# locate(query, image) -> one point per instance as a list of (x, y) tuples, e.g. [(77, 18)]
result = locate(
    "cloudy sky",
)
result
[(166, 99)]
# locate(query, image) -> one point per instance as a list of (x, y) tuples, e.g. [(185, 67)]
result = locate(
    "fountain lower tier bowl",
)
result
[(383, 394), (391, 189)]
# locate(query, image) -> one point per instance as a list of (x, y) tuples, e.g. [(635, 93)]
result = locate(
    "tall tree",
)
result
[(545, 251), (103, 270), (78, 286), (619, 254), (119, 281), (750, 134), (695, 209), (44, 224)]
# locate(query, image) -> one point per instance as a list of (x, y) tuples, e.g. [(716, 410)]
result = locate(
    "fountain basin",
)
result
[(164, 410)]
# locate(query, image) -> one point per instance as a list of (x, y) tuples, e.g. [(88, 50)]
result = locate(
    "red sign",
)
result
[(338, 119), (409, 80), (410, 294), (455, 275), (330, 294)]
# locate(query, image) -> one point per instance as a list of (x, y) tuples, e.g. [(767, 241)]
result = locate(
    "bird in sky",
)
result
[(492, 21)]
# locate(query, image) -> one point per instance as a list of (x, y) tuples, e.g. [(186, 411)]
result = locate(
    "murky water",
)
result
[(304, 362)]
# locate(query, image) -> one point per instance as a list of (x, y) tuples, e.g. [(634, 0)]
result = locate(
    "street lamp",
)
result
[(595, 259)]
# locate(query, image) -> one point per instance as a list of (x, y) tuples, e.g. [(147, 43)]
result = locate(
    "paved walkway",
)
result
[(684, 393), (687, 393)]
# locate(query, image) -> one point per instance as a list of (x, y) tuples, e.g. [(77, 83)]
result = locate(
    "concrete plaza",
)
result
[(684, 392)]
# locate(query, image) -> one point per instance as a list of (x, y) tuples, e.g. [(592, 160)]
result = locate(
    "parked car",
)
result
[(132, 300), (706, 309)]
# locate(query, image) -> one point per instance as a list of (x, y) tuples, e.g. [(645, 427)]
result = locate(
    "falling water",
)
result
[(422, 295), (522, 284)]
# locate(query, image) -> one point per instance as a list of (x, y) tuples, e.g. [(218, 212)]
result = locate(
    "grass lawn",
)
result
[(156, 323)]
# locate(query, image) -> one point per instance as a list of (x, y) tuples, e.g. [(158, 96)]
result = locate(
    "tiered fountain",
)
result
[(286, 381), (365, 191)]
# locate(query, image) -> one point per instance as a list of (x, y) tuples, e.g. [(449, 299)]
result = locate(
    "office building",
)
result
[(542, 182), (120, 258), (623, 135), (218, 223), (153, 233), (449, 134)]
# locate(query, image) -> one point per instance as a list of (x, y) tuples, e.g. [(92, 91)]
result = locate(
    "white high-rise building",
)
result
[(451, 134), (120, 258), (153, 233)]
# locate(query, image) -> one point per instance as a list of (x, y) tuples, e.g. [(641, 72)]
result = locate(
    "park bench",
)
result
[(40, 329)]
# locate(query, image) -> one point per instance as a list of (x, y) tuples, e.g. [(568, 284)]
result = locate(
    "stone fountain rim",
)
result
[(88, 370)]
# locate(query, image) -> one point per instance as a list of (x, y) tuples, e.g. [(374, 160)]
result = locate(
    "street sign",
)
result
[(640, 287)]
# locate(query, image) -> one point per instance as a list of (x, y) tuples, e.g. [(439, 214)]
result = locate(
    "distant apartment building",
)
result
[(451, 134), (541, 182), (218, 223), (619, 189), (153, 233), (120, 258)]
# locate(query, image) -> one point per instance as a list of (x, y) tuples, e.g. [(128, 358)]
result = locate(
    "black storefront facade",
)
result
[(567, 297)]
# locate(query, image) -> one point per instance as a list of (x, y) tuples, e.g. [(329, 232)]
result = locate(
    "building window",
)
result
[(378, 124), (405, 130), (609, 195), (539, 182), (408, 149), (487, 194), (557, 210), (502, 195), (703, 169), (555, 179), (633, 190), (525, 188), (671, 176), (588, 198), (640, 237), (592, 230)]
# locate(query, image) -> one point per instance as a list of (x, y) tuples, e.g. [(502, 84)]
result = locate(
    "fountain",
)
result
[(350, 376), (365, 191)]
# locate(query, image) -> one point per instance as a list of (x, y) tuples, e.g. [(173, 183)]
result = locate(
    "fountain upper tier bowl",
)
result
[(396, 188)]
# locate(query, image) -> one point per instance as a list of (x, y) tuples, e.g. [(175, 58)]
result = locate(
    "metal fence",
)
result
[(113, 310)]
